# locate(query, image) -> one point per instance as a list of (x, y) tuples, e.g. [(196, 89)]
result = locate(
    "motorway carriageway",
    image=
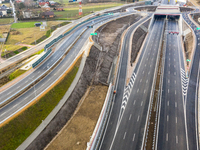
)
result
[(172, 122), (23, 100), (126, 127)]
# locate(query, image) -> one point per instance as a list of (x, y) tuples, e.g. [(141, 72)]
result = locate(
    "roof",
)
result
[(48, 13)]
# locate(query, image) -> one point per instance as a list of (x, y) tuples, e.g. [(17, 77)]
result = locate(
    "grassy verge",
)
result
[(24, 25), (6, 20), (16, 73), (18, 129)]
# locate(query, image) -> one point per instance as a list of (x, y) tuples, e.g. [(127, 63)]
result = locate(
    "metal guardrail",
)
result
[(65, 34), (41, 58)]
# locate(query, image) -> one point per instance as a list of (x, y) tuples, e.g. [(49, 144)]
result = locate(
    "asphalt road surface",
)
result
[(172, 126), (126, 127), (191, 97)]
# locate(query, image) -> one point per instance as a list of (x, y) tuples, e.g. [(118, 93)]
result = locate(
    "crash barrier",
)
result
[(41, 58), (65, 34)]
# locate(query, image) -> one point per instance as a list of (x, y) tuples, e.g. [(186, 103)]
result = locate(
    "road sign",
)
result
[(188, 60), (198, 28), (93, 33)]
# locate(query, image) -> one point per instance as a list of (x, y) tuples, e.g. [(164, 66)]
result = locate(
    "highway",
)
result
[(59, 52), (172, 126), (26, 98), (192, 91), (126, 125)]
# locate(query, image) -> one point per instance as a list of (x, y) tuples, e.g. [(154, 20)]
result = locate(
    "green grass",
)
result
[(6, 20), (16, 73), (39, 52), (18, 129), (23, 25), (72, 13)]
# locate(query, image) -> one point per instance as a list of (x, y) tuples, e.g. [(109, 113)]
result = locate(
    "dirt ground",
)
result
[(75, 136), (188, 43), (95, 72)]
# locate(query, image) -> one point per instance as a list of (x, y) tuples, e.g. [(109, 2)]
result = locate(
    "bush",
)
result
[(24, 48)]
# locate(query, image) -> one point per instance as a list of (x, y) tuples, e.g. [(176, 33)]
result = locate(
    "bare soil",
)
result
[(77, 132), (188, 43), (95, 72)]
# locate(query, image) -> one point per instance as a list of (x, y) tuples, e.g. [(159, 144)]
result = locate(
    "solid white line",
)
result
[(176, 139), (141, 103), (138, 118), (130, 116), (167, 137), (134, 137), (124, 135)]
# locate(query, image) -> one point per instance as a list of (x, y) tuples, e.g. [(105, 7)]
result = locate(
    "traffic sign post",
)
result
[(93, 33), (198, 28), (188, 60)]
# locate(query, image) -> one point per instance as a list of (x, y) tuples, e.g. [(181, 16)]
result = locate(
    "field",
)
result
[(18, 129), (5, 28), (6, 20), (71, 11), (23, 25)]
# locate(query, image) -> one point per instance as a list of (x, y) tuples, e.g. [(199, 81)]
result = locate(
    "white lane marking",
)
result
[(150, 65), (26, 97), (174, 59), (124, 135), (149, 72), (140, 80), (168, 72), (134, 102), (144, 91), (137, 90), (33, 76), (49, 79), (175, 81), (134, 137), (18, 87), (130, 116), (167, 137), (138, 118), (167, 103), (26, 81), (2, 114), (14, 105), (44, 68), (145, 65), (8, 93), (174, 66), (54, 74), (167, 117), (169, 59), (168, 80), (176, 119), (175, 104), (42, 84), (174, 73), (168, 90), (175, 92), (169, 65), (143, 72), (141, 103), (38, 71), (147, 81), (176, 139)]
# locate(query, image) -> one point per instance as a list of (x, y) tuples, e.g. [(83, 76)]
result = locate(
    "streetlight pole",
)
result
[(34, 86)]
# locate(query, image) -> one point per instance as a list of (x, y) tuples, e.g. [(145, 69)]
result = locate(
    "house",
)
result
[(3, 11), (46, 8), (29, 14), (59, 9), (48, 14), (43, 3), (4, 7)]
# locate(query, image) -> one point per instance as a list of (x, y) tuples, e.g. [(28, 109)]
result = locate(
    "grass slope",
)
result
[(18, 129)]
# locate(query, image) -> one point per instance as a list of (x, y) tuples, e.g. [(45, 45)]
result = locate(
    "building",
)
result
[(46, 8), (29, 14), (3, 12), (48, 14)]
